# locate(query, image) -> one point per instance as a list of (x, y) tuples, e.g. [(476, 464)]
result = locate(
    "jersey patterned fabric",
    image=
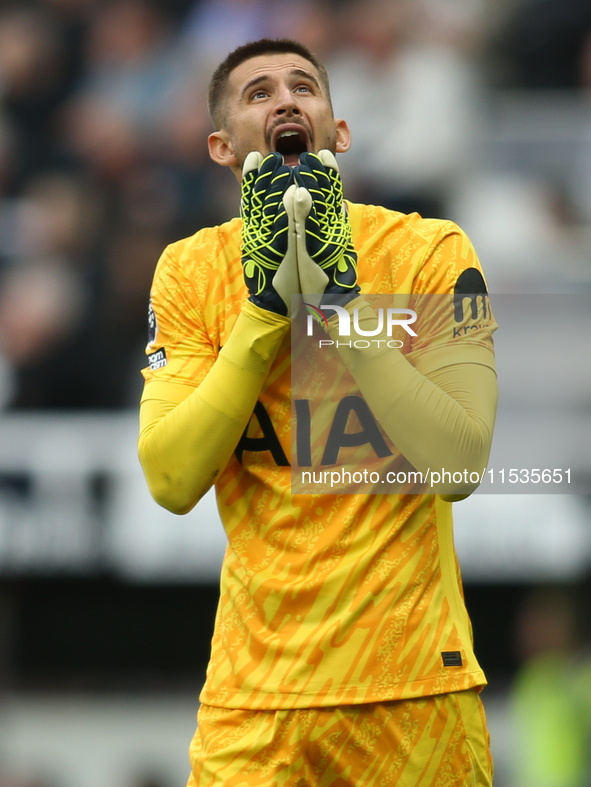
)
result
[(325, 599), (438, 741)]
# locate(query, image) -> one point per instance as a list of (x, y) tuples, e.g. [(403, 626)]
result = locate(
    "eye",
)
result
[(303, 89), (259, 94)]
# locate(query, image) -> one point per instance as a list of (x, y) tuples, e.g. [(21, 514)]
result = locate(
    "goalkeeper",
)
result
[(342, 651)]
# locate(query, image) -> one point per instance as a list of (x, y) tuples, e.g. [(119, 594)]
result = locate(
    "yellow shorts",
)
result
[(440, 740)]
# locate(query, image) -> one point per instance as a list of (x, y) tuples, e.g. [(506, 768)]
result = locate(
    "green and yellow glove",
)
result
[(327, 260), (268, 247)]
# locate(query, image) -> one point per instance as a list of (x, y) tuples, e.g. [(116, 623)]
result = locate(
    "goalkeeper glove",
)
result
[(327, 260), (268, 252)]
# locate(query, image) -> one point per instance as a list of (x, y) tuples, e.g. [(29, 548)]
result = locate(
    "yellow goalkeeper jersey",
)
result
[(325, 599)]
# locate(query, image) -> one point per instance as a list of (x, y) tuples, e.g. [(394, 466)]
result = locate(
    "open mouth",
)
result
[(291, 141)]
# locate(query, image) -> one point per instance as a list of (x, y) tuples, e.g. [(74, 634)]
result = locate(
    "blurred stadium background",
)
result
[(474, 110)]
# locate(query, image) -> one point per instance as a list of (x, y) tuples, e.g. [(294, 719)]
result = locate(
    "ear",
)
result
[(221, 150), (343, 136)]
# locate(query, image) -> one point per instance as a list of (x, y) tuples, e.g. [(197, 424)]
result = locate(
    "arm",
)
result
[(439, 411), (437, 404), (188, 434)]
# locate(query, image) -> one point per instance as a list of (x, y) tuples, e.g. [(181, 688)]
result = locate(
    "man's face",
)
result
[(276, 103)]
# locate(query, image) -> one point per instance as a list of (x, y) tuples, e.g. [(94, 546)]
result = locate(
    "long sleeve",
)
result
[(439, 417), (187, 434)]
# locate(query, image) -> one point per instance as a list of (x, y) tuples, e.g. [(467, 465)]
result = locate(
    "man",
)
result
[(342, 650)]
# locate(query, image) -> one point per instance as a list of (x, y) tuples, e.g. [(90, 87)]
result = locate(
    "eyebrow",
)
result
[(264, 77)]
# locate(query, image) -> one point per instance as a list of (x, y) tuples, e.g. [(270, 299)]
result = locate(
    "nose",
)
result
[(286, 103)]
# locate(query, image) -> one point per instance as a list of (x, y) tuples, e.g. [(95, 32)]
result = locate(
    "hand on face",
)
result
[(270, 270), (296, 235), (326, 239)]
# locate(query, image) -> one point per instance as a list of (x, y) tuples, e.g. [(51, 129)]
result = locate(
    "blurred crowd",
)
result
[(103, 157)]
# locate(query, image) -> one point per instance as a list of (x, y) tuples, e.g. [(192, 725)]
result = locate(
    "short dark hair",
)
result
[(264, 46)]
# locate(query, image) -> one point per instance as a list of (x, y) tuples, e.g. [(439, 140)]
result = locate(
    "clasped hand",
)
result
[(296, 235)]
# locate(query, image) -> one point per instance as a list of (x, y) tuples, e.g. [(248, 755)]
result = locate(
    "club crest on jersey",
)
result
[(157, 360)]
